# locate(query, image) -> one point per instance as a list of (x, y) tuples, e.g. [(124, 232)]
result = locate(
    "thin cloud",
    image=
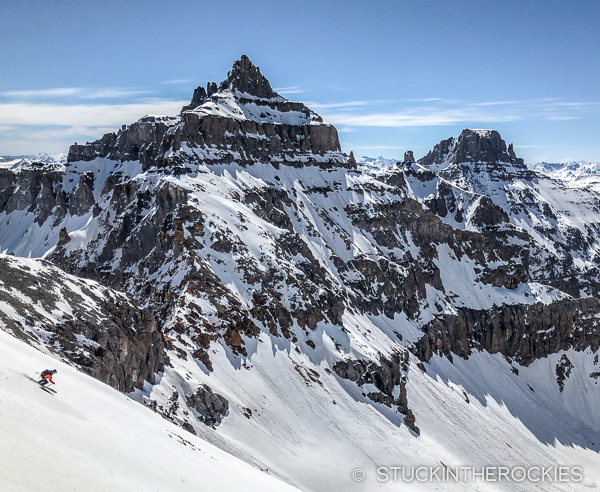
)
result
[(498, 103), (112, 93), (562, 118), (77, 92), (67, 135), (176, 81), (27, 128), (93, 115), (57, 92), (288, 90), (565, 104), (350, 104), (421, 117), (523, 102), (347, 104), (447, 112)]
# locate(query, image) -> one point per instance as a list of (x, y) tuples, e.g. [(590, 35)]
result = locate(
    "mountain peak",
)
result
[(244, 118), (473, 146), (246, 78)]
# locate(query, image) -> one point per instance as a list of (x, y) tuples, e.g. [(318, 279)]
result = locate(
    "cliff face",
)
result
[(522, 333), (170, 237)]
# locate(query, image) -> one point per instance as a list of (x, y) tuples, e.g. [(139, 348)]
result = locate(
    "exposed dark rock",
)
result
[(385, 376), (34, 190), (210, 407), (161, 242), (89, 151), (523, 332), (439, 153), (563, 371), (82, 198), (211, 88), (488, 214), (188, 427), (63, 237), (142, 140), (198, 98), (483, 146), (444, 201), (473, 146), (352, 161), (246, 77)]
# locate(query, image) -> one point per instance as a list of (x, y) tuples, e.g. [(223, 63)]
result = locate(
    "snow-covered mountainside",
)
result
[(480, 184), (319, 315)]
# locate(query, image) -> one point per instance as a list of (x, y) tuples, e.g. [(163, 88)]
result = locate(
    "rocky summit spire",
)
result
[(246, 77)]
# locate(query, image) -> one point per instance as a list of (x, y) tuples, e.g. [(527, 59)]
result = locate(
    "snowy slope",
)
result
[(561, 215), (101, 331), (90, 437), (567, 171)]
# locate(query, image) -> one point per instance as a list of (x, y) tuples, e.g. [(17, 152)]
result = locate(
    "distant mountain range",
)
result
[(17, 162)]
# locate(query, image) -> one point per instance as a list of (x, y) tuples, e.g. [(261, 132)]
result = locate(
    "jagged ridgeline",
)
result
[(279, 272)]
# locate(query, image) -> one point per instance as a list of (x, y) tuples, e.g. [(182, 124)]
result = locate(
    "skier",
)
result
[(47, 376)]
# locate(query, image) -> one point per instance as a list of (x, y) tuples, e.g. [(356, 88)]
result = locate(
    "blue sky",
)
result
[(391, 75)]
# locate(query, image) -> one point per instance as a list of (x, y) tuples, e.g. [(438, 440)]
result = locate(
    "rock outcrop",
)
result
[(210, 407), (240, 222), (483, 146), (386, 376)]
